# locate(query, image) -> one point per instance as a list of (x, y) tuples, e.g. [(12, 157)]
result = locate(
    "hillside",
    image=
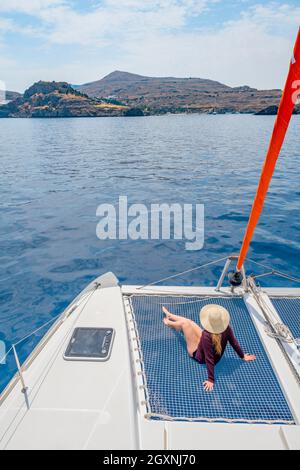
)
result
[(12, 95), (58, 99), (160, 95), (125, 94)]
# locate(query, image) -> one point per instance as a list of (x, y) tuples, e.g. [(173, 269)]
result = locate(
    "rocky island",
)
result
[(58, 99), (12, 95), (126, 94)]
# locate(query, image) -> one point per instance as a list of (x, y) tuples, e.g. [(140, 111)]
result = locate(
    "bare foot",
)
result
[(166, 312)]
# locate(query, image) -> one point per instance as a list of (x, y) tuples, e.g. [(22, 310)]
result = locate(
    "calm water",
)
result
[(54, 174)]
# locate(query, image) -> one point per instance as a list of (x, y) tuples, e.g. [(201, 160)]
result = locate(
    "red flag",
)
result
[(287, 104)]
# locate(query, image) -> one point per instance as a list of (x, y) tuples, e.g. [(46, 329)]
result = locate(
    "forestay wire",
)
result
[(271, 271), (274, 272), (73, 306), (197, 268)]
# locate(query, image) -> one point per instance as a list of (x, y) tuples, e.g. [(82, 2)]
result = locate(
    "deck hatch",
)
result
[(244, 393), (90, 344)]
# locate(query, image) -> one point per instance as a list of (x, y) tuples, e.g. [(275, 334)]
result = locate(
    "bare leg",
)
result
[(176, 325), (171, 316), (171, 319), (192, 332)]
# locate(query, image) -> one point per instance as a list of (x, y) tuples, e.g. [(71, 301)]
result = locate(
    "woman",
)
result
[(207, 346)]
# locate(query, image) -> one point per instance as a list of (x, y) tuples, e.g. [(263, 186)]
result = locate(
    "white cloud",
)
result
[(28, 6), (151, 37), (113, 19), (6, 25), (253, 50), (7, 66), (235, 56), (146, 5), (63, 24)]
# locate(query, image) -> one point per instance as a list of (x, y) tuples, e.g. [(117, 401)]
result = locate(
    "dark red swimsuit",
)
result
[(206, 354)]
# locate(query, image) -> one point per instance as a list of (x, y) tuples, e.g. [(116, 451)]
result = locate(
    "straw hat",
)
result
[(214, 319)]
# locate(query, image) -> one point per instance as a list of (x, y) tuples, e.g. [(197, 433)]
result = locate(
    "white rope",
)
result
[(36, 331), (203, 299), (281, 332), (215, 420), (72, 307), (183, 272), (187, 303), (141, 356), (274, 329), (68, 311), (274, 272)]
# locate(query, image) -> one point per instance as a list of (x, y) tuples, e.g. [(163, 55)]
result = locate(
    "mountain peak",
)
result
[(118, 75), (124, 85), (158, 95)]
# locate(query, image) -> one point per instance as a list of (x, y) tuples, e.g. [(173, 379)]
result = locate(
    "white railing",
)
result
[(81, 300)]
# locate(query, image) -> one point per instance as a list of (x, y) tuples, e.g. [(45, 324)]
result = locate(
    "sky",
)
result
[(236, 42)]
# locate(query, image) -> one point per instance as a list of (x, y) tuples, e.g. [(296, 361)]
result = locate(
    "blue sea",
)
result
[(55, 172)]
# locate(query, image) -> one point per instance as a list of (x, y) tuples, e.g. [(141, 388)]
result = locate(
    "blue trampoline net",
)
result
[(289, 311), (244, 392)]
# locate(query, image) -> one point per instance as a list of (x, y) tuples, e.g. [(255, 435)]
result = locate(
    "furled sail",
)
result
[(287, 104)]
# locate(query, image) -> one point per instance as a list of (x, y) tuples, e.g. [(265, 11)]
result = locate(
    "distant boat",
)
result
[(108, 375)]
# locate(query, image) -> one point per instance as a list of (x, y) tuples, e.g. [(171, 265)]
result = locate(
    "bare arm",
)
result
[(236, 346), (210, 364)]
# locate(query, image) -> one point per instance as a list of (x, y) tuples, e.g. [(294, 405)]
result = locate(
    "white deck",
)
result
[(76, 405), (98, 405)]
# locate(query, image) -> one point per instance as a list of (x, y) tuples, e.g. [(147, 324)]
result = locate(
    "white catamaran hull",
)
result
[(105, 405)]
